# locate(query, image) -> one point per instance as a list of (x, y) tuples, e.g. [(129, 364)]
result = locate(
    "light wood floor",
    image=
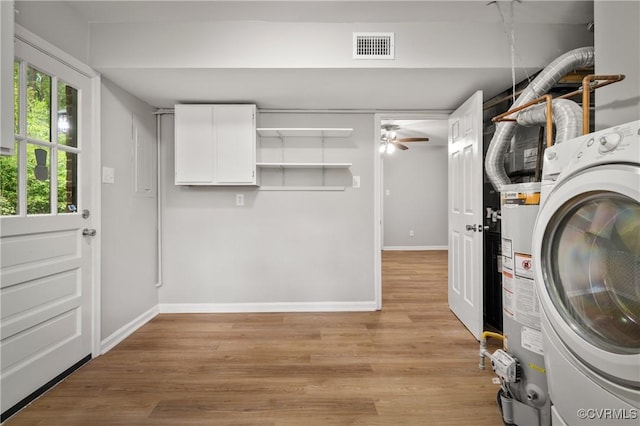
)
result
[(412, 363)]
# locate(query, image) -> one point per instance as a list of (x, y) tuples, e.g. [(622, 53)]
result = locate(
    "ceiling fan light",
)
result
[(390, 148), (383, 147)]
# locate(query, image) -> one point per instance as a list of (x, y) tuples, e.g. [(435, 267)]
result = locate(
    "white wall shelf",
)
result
[(305, 165), (304, 132), (301, 188), (279, 173)]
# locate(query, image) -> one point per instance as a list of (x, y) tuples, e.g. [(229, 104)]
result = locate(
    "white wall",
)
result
[(242, 44), (284, 250), (295, 65), (57, 23), (415, 197), (129, 221), (617, 50)]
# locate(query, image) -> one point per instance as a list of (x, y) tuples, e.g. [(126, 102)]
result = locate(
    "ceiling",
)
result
[(386, 88), (527, 11)]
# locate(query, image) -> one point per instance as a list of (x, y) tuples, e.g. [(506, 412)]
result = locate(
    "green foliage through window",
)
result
[(9, 184), (38, 126), (38, 105)]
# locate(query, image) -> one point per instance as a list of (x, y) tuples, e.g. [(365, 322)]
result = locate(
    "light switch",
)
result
[(239, 200), (387, 192), (356, 182), (108, 175)]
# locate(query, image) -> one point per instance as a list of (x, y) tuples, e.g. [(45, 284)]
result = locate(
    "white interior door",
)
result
[(46, 275), (465, 214)]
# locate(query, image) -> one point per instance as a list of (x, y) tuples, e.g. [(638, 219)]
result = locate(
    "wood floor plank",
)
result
[(412, 363)]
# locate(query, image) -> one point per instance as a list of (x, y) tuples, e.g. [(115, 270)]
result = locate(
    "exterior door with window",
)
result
[(45, 239)]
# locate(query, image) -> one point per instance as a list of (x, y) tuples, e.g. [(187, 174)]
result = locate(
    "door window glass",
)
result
[(38, 105), (67, 182), (592, 266), (67, 115), (16, 97), (9, 184), (42, 175), (38, 180)]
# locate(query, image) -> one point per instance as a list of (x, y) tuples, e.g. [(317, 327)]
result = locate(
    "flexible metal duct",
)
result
[(567, 116), (505, 130)]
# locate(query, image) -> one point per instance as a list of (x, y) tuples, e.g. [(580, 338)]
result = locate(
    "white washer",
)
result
[(586, 248)]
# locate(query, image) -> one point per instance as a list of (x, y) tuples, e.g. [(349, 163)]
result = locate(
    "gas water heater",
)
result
[(523, 397)]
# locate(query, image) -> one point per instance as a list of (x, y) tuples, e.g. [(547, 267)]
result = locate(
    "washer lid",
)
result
[(591, 259)]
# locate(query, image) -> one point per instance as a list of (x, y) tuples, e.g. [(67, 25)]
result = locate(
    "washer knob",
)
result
[(609, 142)]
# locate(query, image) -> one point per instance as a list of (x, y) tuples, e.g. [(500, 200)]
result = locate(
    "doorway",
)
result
[(411, 185)]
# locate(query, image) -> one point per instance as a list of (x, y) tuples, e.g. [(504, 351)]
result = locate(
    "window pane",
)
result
[(67, 115), (9, 184), (16, 97), (38, 181), (67, 182), (38, 105)]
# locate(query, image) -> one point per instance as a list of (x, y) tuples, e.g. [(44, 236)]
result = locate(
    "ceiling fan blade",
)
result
[(389, 127), (399, 145), (412, 139)]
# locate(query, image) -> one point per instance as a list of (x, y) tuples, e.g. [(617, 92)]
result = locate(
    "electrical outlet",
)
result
[(356, 182), (412, 234), (108, 175), (239, 200)]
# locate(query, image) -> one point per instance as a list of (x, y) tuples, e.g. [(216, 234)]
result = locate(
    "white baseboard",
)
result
[(126, 330), (175, 308), (415, 248)]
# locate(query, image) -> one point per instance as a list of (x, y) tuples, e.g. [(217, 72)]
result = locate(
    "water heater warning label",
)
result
[(524, 265), (507, 253), (508, 296), (527, 307), (531, 339)]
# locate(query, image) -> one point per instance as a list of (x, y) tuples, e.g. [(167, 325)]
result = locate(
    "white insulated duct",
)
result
[(505, 130), (567, 116)]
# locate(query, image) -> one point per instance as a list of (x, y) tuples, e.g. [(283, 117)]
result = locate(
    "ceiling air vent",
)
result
[(373, 46)]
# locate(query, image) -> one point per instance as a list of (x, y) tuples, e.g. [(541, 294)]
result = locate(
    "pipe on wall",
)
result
[(159, 113), (548, 77)]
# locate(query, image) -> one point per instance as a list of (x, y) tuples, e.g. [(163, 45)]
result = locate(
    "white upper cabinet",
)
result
[(6, 83), (215, 145)]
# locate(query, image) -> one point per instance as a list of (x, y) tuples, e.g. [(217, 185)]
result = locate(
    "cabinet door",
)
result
[(6, 83), (235, 147), (194, 144)]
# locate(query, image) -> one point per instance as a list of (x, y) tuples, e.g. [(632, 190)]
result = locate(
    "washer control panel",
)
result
[(616, 144), (599, 146), (609, 142)]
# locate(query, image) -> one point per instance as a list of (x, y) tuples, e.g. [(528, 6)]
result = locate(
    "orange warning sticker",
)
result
[(520, 198)]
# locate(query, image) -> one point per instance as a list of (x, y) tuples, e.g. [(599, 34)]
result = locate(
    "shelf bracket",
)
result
[(282, 171), (323, 159)]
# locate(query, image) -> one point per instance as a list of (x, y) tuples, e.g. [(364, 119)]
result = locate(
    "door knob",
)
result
[(471, 228), (89, 232)]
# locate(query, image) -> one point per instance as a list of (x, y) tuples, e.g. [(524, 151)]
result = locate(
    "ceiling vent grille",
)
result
[(373, 46)]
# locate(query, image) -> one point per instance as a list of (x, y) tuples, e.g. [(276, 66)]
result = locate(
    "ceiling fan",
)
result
[(390, 141)]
